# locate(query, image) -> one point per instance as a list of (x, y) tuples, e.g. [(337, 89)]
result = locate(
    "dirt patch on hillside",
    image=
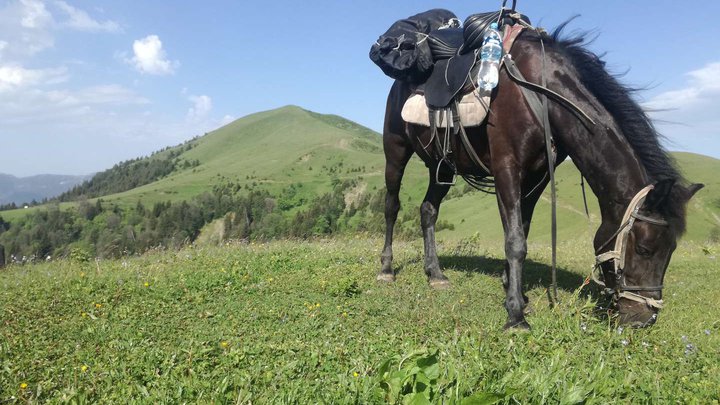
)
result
[(354, 194)]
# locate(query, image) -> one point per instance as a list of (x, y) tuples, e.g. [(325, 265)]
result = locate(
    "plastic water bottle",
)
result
[(490, 54)]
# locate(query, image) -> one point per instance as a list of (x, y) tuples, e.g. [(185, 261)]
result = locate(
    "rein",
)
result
[(537, 98), (617, 255)]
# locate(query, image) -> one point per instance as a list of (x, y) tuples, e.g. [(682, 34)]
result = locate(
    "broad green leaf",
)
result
[(430, 366), (416, 399)]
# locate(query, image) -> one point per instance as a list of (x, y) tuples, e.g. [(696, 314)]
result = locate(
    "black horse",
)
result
[(619, 155)]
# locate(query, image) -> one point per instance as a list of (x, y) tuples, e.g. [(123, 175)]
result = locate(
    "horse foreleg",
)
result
[(509, 196), (531, 194), (397, 154), (429, 211)]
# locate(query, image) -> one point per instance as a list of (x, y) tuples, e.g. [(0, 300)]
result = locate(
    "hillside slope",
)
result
[(275, 149), (481, 216)]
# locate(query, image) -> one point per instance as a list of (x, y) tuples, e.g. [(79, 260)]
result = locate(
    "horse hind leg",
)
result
[(429, 211), (397, 154)]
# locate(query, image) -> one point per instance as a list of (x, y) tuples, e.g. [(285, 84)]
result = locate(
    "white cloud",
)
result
[(200, 109), (35, 15), (81, 20), (14, 77), (150, 57), (703, 86), (111, 94), (25, 28), (34, 108), (688, 116)]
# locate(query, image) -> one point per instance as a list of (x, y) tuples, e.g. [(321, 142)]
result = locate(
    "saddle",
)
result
[(455, 52), (430, 51)]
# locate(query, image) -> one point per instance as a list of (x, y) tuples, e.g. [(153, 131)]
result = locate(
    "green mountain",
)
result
[(278, 149)]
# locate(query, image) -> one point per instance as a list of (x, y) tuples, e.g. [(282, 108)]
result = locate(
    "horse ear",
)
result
[(694, 188), (659, 193)]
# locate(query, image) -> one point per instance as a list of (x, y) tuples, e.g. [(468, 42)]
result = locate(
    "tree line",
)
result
[(104, 229), (128, 175)]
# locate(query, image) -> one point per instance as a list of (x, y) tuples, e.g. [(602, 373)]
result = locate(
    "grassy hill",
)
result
[(274, 149)]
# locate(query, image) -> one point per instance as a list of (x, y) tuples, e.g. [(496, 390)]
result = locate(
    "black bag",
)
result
[(403, 52)]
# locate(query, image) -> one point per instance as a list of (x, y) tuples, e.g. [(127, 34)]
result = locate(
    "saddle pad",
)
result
[(472, 109)]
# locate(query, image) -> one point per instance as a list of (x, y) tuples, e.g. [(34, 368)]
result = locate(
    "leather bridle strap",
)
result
[(617, 255), (628, 220)]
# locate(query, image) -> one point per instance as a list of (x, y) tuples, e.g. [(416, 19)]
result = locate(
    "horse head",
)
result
[(650, 238)]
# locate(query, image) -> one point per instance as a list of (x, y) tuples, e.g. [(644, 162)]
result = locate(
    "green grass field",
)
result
[(306, 322)]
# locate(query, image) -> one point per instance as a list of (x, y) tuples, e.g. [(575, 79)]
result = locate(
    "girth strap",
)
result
[(466, 142)]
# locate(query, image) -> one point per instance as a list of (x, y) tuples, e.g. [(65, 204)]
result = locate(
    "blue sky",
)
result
[(85, 84)]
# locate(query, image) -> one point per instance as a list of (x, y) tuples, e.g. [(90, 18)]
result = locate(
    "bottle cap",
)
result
[(494, 26)]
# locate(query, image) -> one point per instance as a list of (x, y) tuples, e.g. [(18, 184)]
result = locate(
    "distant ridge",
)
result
[(21, 190)]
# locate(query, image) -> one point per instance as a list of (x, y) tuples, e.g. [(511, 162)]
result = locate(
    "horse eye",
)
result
[(643, 251)]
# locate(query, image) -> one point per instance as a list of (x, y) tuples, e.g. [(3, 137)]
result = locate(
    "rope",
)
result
[(639, 298)]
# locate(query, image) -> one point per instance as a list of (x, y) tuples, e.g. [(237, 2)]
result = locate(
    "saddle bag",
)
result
[(403, 52)]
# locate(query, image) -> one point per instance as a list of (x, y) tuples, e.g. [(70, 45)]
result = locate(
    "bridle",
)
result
[(617, 255)]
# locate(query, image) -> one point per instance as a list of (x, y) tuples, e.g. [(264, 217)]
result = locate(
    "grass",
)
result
[(296, 322)]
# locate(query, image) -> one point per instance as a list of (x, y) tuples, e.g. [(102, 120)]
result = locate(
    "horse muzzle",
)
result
[(637, 315)]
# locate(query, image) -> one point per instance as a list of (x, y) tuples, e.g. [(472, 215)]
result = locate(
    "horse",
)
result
[(641, 194)]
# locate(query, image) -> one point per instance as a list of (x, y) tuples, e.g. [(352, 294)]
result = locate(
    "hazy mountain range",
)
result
[(21, 190)]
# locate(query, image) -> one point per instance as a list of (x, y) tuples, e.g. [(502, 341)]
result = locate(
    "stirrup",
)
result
[(444, 183)]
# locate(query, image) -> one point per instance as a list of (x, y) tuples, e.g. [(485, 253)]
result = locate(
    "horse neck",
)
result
[(612, 170)]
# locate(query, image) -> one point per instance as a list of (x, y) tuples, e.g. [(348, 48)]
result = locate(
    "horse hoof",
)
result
[(440, 284), (517, 326), (387, 278)]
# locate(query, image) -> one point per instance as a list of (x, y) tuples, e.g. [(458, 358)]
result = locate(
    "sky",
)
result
[(86, 84)]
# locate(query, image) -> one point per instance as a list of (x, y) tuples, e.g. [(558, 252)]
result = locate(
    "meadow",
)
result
[(306, 322)]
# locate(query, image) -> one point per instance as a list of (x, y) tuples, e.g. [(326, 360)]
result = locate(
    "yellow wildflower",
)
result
[(23, 386), (147, 284), (317, 305), (84, 314), (355, 374), (98, 305), (84, 368), (224, 344), (345, 314)]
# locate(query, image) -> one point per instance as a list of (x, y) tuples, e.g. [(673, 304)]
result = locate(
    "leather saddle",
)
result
[(455, 52)]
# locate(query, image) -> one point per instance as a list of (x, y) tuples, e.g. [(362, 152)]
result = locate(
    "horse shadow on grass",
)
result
[(535, 274)]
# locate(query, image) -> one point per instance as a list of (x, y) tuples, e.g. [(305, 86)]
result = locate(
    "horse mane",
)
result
[(631, 118)]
